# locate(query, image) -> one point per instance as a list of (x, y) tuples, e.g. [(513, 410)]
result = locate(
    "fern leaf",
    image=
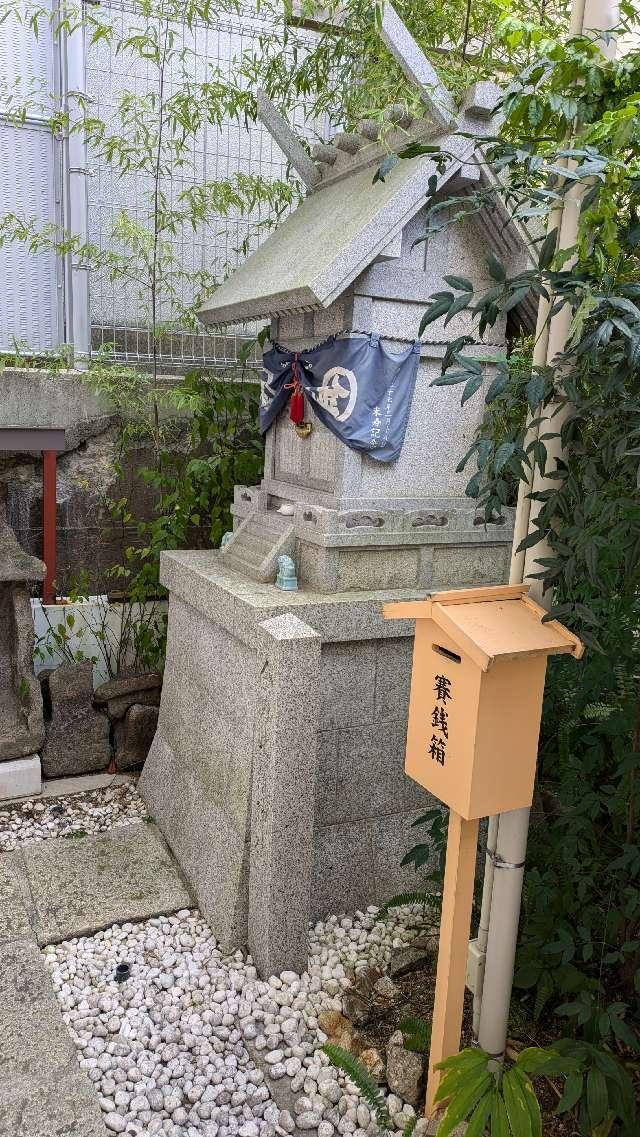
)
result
[(544, 992), (357, 1073), (416, 1034), (404, 898), (408, 1129), (598, 712)]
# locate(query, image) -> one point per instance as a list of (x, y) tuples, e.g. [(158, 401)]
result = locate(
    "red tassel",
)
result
[(296, 406)]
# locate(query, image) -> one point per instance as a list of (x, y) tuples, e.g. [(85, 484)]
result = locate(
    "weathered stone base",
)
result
[(277, 770)]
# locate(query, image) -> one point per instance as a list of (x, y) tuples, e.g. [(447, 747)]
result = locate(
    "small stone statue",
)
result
[(226, 537), (286, 578)]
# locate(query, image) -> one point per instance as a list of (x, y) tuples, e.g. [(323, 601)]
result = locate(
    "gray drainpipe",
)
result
[(77, 332)]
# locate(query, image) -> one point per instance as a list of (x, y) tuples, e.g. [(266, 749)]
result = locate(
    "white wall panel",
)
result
[(29, 293), (27, 61)]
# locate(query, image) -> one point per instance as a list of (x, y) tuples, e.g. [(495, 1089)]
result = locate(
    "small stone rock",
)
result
[(414, 957), (356, 1007), (372, 1059), (405, 1070), (249, 1129), (310, 1119), (115, 1122), (386, 990), (333, 1022)]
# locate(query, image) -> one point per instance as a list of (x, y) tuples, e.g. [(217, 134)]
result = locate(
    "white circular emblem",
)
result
[(338, 384)]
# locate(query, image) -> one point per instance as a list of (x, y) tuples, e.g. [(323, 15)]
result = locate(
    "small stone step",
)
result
[(255, 546), (243, 562), (256, 541)]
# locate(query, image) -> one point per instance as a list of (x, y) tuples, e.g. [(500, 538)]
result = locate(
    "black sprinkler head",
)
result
[(123, 971)]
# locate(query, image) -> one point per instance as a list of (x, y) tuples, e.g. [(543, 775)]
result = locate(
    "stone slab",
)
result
[(62, 1107), (83, 783), (42, 1090), (20, 777), (200, 578), (14, 915), (129, 685), (21, 723), (34, 1042), (279, 1089), (196, 780), (80, 885)]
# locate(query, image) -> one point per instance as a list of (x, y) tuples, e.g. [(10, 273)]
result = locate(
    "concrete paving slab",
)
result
[(34, 1041), (15, 923), (67, 1107), (83, 783), (80, 885)]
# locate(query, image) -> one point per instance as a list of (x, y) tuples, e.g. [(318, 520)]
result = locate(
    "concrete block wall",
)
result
[(365, 804)]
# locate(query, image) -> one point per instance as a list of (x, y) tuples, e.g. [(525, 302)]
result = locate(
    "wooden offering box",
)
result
[(479, 665)]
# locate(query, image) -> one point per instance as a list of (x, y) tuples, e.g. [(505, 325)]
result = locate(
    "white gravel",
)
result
[(39, 819), (165, 1049)]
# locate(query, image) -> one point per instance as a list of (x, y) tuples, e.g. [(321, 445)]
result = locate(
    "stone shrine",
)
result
[(277, 770)]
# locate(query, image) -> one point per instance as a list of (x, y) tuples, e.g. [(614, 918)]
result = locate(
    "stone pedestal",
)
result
[(21, 723), (277, 769)]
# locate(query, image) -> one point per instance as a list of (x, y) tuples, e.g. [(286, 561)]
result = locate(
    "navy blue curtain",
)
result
[(357, 387)]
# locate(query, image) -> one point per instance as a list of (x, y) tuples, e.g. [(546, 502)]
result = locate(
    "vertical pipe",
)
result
[(503, 930), (49, 458), (76, 201), (485, 914)]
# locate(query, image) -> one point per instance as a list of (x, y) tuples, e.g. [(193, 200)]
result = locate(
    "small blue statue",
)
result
[(226, 537), (286, 578)]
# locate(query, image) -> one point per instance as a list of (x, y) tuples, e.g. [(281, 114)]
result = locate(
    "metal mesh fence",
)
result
[(118, 313)]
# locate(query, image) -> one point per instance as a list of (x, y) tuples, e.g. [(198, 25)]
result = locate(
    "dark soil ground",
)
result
[(418, 993)]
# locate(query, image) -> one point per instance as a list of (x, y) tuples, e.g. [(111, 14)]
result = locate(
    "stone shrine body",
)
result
[(277, 772)]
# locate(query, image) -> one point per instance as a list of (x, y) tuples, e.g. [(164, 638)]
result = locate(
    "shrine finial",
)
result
[(290, 145), (397, 38)]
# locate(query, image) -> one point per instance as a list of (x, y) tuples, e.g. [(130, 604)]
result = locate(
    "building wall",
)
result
[(31, 284)]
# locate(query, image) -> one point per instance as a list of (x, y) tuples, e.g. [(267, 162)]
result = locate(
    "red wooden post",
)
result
[(49, 523)]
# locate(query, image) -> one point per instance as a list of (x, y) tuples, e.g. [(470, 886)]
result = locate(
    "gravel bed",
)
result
[(166, 1050), (39, 819)]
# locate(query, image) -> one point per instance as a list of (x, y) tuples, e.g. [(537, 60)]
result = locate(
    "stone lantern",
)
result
[(276, 773), (21, 721)]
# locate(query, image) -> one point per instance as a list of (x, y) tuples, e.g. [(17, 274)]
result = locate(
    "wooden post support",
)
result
[(49, 523), (455, 922)]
